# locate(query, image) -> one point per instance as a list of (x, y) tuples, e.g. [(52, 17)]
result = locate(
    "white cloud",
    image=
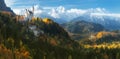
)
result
[(54, 13), (9, 2), (69, 14), (17, 11), (106, 14)]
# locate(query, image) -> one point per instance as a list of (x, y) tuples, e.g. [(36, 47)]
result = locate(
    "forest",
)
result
[(18, 41)]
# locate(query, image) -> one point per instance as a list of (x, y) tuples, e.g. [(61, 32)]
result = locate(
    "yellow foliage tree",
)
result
[(99, 35), (47, 21)]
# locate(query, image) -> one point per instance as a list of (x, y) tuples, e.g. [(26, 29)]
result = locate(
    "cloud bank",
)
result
[(69, 14), (10, 2)]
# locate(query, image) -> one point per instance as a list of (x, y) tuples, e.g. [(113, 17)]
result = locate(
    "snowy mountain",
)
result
[(97, 15), (61, 14), (110, 23)]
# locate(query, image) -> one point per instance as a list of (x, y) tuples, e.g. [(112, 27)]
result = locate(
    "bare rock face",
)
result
[(3, 7)]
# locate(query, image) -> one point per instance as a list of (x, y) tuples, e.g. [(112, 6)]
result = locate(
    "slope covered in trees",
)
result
[(82, 27), (19, 40), (50, 38)]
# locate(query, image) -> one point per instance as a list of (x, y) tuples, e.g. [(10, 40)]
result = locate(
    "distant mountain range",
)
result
[(82, 27), (108, 22)]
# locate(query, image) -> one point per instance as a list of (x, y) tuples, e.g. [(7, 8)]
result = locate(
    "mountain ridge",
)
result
[(82, 26), (3, 7)]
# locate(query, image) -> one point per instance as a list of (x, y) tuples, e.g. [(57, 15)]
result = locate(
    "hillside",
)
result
[(82, 27), (39, 36), (107, 37), (110, 23), (45, 39), (90, 33)]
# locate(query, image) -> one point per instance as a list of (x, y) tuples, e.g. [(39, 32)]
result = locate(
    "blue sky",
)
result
[(110, 5)]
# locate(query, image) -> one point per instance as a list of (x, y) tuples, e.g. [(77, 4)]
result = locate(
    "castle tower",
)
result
[(33, 10), (29, 14)]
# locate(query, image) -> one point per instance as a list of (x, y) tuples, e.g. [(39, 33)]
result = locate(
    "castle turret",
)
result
[(29, 14)]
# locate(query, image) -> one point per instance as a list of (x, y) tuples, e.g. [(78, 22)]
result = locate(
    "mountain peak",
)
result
[(3, 7)]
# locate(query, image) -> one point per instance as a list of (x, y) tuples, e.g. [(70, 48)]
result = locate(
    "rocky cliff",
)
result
[(3, 7)]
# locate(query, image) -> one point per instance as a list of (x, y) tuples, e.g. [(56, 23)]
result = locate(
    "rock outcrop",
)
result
[(3, 7)]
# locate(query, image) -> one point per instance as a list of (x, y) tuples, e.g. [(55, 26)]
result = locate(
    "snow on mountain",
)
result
[(108, 21), (62, 15)]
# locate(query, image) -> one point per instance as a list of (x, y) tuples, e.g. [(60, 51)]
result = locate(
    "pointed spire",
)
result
[(33, 10)]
